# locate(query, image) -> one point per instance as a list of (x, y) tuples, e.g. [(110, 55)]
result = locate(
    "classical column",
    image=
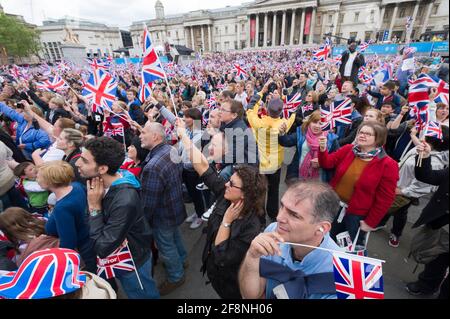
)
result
[(186, 37), (302, 27), (394, 16), (377, 22), (335, 22), (291, 40), (265, 30), (274, 30), (409, 31), (313, 22), (283, 28), (248, 32), (257, 31), (427, 17), (238, 35), (203, 38), (210, 38), (192, 38)]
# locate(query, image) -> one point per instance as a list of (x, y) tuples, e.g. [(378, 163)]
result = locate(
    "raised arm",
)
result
[(196, 157)]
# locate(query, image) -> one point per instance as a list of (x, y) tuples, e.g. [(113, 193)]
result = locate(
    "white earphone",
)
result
[(321, 230)]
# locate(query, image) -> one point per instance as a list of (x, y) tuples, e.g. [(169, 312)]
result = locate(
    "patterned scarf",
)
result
[(366, 155), (306, 171)]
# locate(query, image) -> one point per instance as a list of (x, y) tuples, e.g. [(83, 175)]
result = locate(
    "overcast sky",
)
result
[(113, 12)]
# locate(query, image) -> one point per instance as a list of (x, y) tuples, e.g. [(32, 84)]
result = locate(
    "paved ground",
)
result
[(397, 270)]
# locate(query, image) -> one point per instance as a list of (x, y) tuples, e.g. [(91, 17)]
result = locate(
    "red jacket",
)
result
[(374, 192)]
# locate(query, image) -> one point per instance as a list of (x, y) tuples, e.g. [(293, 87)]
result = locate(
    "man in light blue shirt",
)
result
[(273, 268)]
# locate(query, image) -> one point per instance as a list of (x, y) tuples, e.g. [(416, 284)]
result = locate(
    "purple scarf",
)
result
[(306, 171)]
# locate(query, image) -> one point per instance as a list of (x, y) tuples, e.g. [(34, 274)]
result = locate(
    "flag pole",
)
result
[(135, 269), (164, 71), (331, 250)]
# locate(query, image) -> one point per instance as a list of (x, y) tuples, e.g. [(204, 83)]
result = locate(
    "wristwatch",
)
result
[(94, 212), (225, 225)]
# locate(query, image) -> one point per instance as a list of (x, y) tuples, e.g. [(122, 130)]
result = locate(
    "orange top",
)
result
[(345, 186)]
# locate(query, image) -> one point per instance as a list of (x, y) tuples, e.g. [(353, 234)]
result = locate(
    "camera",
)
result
[(20, 105), (285, 92)]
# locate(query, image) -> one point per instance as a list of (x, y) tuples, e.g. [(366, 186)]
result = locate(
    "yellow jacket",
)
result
[(266, 131)]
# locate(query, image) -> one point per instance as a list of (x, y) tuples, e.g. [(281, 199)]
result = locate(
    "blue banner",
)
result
[(393, 49), (440, 47), (127, 60)]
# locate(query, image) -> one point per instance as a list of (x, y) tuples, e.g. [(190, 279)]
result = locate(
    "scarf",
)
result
[(366, 155), (306, 171)]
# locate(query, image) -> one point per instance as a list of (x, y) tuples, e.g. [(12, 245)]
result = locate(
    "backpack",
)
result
[(427, 244)]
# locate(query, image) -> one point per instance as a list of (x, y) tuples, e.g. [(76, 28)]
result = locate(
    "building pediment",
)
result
[(271, 5)]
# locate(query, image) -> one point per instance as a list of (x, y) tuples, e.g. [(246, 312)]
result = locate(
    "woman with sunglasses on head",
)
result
[(365, 179), (235, 220)]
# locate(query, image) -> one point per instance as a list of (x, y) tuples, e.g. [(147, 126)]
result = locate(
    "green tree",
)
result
[(17, 38)]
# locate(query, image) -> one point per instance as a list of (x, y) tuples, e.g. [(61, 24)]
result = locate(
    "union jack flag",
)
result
[(101, 89), (113, 129), (322, 53), (409, 20), (433, 129), (16, 71), (307, 107), (151, 66), (418, 90), (145, 91), (240, 72), (54, 84), (63, 66), (383, 74), (442, 93), (98, 64), (117, 263), (44, 274), (409, 50), (220, 86), (363, 46), (357, 277), (291, 104), (211, 103), (421, 115), (338, 59), (363, 76), (339, 113)]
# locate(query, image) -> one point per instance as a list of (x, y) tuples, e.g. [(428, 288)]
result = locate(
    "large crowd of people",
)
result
[(87, 181)]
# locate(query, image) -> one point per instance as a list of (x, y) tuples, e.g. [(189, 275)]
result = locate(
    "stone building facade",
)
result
[(278, 23)]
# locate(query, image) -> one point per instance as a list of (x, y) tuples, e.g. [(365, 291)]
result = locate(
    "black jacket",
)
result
[(435, 214), (222, 262), (241, 137), (5, 263), (357, 63), (122, 218), (9, 142)]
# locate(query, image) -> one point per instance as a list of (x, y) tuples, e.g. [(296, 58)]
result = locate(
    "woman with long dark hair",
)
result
[(235, 220)]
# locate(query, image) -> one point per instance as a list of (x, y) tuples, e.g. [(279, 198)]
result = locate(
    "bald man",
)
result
[(162, 198)]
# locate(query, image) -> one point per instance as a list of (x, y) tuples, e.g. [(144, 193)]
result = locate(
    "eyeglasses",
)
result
[(232, 184), (366, 133)]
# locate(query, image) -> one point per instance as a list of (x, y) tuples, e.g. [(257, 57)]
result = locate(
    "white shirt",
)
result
[(53, 154), (348, 66), (242, 98)]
